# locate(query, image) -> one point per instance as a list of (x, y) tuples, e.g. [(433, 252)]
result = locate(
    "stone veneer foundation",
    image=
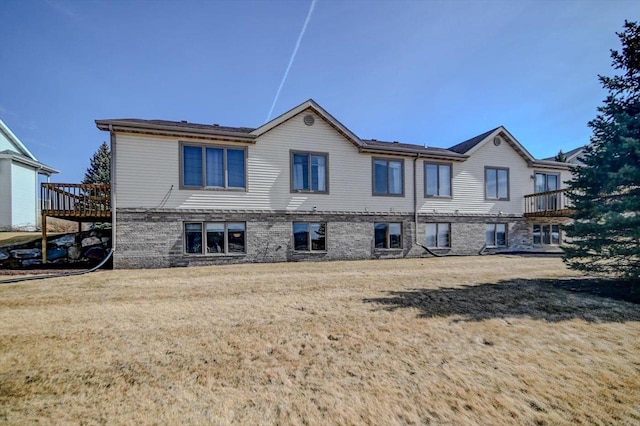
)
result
[(155, 239)]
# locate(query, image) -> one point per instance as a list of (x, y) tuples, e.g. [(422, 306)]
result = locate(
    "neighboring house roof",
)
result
[(21, 154), (572, 155)]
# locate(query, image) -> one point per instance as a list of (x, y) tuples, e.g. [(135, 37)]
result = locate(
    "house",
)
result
[(305, 187), (20, 172)]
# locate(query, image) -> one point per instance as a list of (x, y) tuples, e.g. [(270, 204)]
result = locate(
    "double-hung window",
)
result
[(309, 172), (496, 183), (309, 236), (215, 238), (437, 181), (496, 235), (439, 235), (388, 235), (214, 167), (388, 177)]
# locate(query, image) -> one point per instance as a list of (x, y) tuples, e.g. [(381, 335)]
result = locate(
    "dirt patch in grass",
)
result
[(483, 340)]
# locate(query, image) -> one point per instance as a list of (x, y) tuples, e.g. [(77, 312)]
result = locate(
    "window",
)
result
[(547, 182), (309, 172), (388, 235), (496, 183), (546, 235), (388, 177), (496, 235), (213, 167), (217, 238), (439, 235), (309, 236), (437, 180)]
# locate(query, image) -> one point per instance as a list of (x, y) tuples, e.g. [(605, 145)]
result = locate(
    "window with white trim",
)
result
[(216, 167), (439, 235), (309, 236), (496, 234), (437, 180), (388, 235), (215, 238)]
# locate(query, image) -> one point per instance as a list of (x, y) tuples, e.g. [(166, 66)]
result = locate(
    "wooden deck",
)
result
[(77, 202), (548, 204)]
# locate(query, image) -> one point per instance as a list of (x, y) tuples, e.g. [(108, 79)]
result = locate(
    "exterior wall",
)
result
[(23, 196), (155, 181), (153, 239), (468, 183), (5, 193), (5, 143)]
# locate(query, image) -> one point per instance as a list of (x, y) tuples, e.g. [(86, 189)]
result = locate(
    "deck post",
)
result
[(44, 238)]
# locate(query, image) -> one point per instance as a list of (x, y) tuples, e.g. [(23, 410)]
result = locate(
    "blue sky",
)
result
[(424, 72)]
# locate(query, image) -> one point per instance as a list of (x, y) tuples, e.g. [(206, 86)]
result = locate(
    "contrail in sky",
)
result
[(293, 56)]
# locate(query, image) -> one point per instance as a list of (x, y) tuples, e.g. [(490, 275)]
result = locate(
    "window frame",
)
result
[(486, 181), (203, 238), (309, 239), (438, 246), (225, 165), (495, 235), (438, 164), (291, 172), (550, 226), (387, 238), (373, 176), (547, 174)]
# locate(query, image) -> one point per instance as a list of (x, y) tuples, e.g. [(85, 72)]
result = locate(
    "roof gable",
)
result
[(319, 111), (469, 146), (18, 146)]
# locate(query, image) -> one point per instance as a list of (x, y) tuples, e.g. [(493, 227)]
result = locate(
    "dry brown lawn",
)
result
[(481, 340)]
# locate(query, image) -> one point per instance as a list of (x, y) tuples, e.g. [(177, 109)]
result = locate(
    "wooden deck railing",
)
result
[(550, 203), (75, 200)]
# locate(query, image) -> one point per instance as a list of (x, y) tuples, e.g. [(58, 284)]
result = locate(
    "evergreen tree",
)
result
[(99, 170), (605, 235), (561, 157)]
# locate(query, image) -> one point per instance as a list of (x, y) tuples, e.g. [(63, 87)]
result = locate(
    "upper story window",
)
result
[(309, 172), (214, 167), (437, 181), (496, 183), (388, 177), (547, 182)]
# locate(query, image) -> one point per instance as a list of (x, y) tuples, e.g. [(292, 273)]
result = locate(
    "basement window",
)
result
[(309, 236), (388, 235), (215, 238)]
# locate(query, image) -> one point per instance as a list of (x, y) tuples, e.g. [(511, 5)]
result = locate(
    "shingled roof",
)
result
[(464, 147)]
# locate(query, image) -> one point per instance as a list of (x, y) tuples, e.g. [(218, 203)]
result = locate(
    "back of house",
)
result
[(304, 187)]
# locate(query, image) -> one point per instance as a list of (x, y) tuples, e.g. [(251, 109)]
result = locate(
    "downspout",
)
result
[(112, 148)]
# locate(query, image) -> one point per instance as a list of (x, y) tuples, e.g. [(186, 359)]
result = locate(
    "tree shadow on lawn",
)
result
[(552, 300)]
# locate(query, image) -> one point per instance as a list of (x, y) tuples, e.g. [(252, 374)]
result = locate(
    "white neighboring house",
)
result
[(20, 171)]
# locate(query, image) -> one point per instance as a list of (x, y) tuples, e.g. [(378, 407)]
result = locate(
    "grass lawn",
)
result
[(464, 340)]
